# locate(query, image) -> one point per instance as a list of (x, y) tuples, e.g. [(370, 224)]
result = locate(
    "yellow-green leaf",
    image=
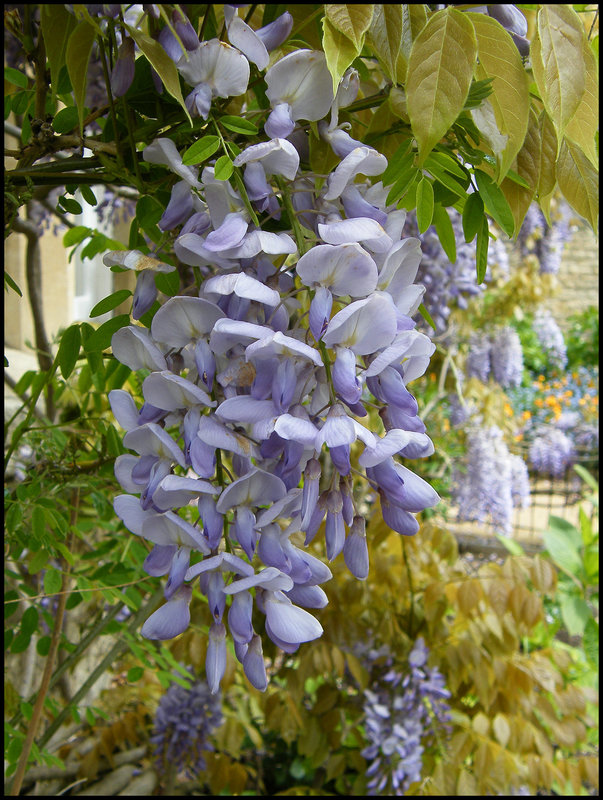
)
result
[(56, 23), (77, 56), (440, 70), (579, 182), (424, 204), (339, 51), (527, 167), (558, 65), (583, 126), (502, 729), (414, 19), (161, 63), (353, 20), (548, 161), (499, 59), (385, 35)]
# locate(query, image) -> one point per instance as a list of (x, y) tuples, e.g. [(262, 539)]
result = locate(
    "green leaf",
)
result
[(481, 250), (168, 282), (200, 150), (162, 64), (57, 25), (77, 56), (69, 350), (352, 20), (495, 201), (101, 338), (426, 316), (445, 231), (440, 70), (339, 51), (76, 235), (579, 182), (500, 62), (518, 197), (88, 194), (38, 561), (558, 63), (135, 674), (43, 645), (10, 282), (399, 163), (223, 168), (434, 166), (574, 612), (590, 643), (511, 545), (424, 204), (587, 477), (148, 212), (66, 120), (52, 581), (70, 205), (239, 125), (16, 77), (473, 214), (384, 36), (91, 719), (562, 551), (402, 184), (29, 621), (110, 302)]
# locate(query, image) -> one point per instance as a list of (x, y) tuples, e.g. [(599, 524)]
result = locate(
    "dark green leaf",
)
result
[(435, 168), (110, 302), (425, 204), (88, 194), (38, 561), (66, 120), (101, 338), (591, 642), (15, 77), (481, 250), (445, 232), (10, 282), (38, 522), (69, 350), (473, 214), (148, 212), (239, 125), (70, 205), (57, 24), (398, 163), (43, 646), (426, 316), (135, 674), (77, 56), (200, 150), (29, 621), (168, 282), (52, 581), (223, 168), (402, 185), (495, 202), (21, 101)]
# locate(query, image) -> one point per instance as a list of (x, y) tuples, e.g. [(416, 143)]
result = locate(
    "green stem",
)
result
[(117, 649), (411, 613), (302, 245)]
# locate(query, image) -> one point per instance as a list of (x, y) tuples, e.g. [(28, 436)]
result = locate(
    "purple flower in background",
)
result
[(490, 483), (545, 242), (184, 722), (551, 451), (478, 357), (506, 357), (550, 338), (403, 711)]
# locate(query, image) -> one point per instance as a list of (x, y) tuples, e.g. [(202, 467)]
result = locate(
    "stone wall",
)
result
[(578, 277)]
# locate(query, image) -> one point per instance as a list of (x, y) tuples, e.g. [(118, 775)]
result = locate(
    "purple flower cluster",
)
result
[(184, 722), (402, 712), (546, 242), (500, 354), (491, 481), (245, 441), (550, 338), (551, 451)]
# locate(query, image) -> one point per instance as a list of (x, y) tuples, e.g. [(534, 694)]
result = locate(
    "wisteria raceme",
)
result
[(492, 481), (402, 713), (243, 445), (183, 724), (550, 338), (506, 357), (551, 452), (478, 357), (546, 242)]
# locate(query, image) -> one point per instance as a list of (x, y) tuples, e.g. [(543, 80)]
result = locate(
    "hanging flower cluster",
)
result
[(551, 451), (184, 722), (500, 355), (249, 435), (544, 241), (491, 481), (550, 338), (402, 713)]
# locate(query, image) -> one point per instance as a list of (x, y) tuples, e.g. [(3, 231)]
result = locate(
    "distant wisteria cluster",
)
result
[(551, 451), (256, 377), (491, 481), (550, 338), (184, 722), (403, 711), (499, 355), (545, 242)]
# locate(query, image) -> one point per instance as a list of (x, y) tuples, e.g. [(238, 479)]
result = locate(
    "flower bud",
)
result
[(123, 71)]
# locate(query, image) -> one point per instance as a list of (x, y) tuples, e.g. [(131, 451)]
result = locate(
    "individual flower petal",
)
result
[(301, 79), (169, 528), (362, 160), (355, 550), (338, 429), (269, 578), (123, 71), (227, 333), (308, 596), (243, 286), (179, 208), (245, 39), (345, 269), (290, 623), (133, 347), (277, 344), (151, 440), (145, 293), (278, 157), (364, 325), (130, 512), (345, 382), (171, 392), (214, 433), (175, 491), (239, 617), (275, 33), (347, 231), (164, 151), (159, 560), (226, 562), (184, 319), (172, 618), (393, 441), (198, 102), (280, 122), (229, 234), (217, 64), (215, 660), (124, 408), (254, 666), (255, 488)]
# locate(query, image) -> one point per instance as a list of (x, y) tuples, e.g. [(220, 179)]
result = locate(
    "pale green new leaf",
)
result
[(440, 70), (518, 197), (558, 64), (77, 57), (161, 63), (424, 204), (385, 35), (353, 20), (548, 164), (56, 23), (579, 182), (499, 60), (339, 51), (414, 19), (583, 126)]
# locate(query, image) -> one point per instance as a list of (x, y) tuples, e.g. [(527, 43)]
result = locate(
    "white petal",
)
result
[(182, 320), (288, 622), (133, 347), (278, 156), (248, 42)]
